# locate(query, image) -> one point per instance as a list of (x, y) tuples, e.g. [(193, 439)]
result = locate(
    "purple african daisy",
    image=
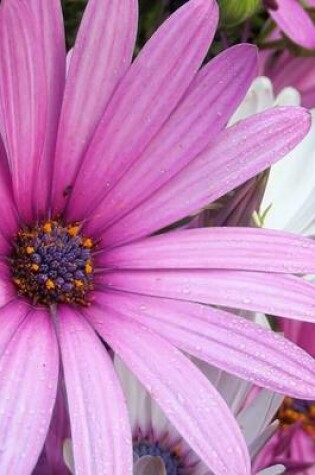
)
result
[(92, 165)]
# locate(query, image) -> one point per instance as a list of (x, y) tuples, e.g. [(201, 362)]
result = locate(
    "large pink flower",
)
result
[(91, 167)]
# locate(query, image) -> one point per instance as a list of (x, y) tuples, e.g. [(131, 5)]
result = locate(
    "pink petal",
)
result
[(144, 100), (208, 104), (50, 20), (101, 56), (227, 341), (32, 63), (8, 212), (51, 460), (28, 384), (196, 410), (279, 295), (295, 22), (302, 333), (216, 248), (295, 71), (142, 411), (11, 317), (100, 429), (294, 330), (7, 288), (238, 153)]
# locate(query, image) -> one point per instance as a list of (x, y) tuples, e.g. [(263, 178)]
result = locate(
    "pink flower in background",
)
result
[(285, 70), (91, 167), (293, 20), (293, 445)]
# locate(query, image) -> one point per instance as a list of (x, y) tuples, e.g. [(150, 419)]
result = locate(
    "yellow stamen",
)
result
[(29, 250), (34, 267), (47, 228), (49, 284), (88, 243), (290, 414), (88, 267), (73, 230), (78, 283)]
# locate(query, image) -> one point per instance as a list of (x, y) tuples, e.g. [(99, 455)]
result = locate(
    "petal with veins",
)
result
[(100, 429), (196, 410), (28, 384)]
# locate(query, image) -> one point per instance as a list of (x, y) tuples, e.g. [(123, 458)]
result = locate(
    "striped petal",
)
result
[(238, 153), (101, 56), (145, 98), (32, 64), (196, 410), (294, 22), (28, 384), (11, 317), (100, 429), (8, 212), (207, 106), (279, 295), (216, 248), (227, 341), (7, 288)]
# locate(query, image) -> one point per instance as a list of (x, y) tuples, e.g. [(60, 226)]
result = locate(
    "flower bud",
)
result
[(234, 12)]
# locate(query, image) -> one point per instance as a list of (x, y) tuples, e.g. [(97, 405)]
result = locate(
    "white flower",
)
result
[(289, 199)]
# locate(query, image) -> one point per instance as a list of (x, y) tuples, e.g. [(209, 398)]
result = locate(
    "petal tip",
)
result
[(304, 117), (207, 7), (247, 52)]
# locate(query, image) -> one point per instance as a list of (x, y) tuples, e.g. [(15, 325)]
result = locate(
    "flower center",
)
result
[(298, 411), (51, 262), (171, 459)]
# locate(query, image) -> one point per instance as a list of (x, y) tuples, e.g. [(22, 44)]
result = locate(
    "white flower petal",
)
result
[(290, 188), (275, 470), (256, 416)]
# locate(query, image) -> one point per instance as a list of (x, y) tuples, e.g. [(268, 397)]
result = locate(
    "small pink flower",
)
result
[(92, 165)]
